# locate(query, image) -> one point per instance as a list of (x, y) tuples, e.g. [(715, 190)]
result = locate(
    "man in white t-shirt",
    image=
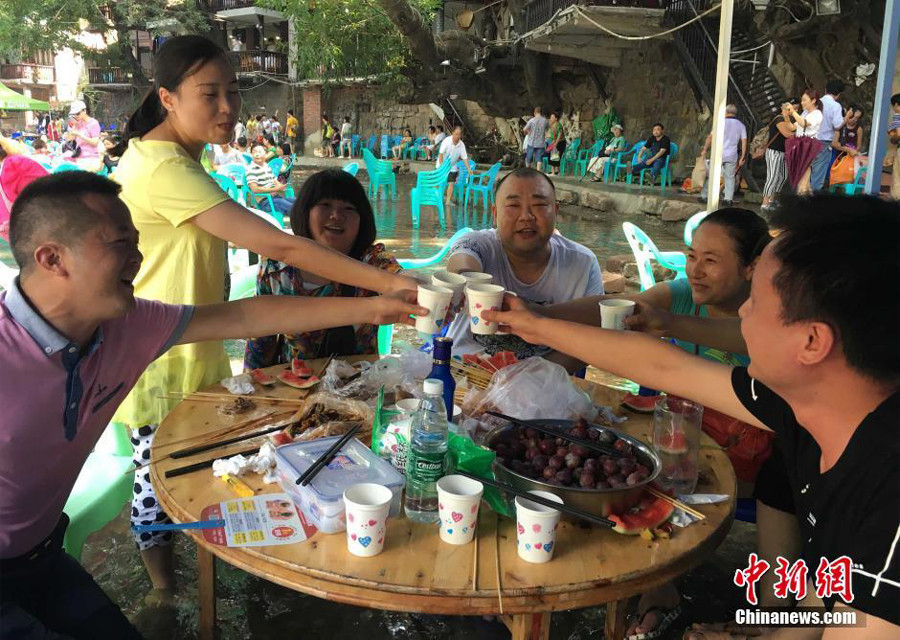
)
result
[(524, 255), (452, 150)]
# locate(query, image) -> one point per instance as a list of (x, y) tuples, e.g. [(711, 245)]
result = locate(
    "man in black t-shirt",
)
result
[(653, 154), (821, 329)]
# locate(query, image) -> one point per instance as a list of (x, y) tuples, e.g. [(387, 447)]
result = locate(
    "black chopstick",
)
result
[(307, 476), (184, 453), (180, 471), (587, 444), (578, 513)]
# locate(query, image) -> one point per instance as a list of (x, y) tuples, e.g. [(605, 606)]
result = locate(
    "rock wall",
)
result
[(371, 111)]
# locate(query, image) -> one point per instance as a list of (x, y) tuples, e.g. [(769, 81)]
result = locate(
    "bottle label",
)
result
[(425, 467)]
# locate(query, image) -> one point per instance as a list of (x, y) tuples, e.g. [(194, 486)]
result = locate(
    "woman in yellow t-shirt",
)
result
[(185, 221)]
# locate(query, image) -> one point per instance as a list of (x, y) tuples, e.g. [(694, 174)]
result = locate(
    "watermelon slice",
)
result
[(485, 363), (281, 438), (471, 359), (674, 443), (497, 361), (640, 404), (298, 382), (649, 513), (508, 357), (262, 378), (299, 368)]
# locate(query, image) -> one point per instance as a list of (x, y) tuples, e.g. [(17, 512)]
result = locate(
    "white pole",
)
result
[(720, 98), (881, 115)]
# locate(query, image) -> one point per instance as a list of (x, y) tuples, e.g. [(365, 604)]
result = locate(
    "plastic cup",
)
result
[(437, 301), (458, 501), (613, 313), (477, 277), (677, 423), (367, 506), (536, 528), (456, 283), (483, 297)]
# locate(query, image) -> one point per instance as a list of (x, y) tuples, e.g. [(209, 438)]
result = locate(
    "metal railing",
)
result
[(29, 73), (214, 6), (259, 61), (108, 75), (539, 12)]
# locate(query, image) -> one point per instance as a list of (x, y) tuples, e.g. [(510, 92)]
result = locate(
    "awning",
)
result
[(12, 101)]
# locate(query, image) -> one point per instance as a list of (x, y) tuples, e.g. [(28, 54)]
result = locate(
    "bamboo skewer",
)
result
[(676, 503), (199, 396), (497, 558), (475, 560)]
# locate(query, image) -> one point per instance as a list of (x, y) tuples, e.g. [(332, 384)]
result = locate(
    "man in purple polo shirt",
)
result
[(73, 341)]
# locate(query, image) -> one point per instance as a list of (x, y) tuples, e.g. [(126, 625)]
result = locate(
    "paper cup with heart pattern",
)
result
[(483, 297), (457, 284), (458, 501), (367, 506), (437, 300), (536, 528)]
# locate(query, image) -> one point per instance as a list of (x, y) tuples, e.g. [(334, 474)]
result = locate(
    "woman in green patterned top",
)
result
[(332, 209)]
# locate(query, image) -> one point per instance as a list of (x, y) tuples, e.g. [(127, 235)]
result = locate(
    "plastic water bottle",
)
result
[(426, 461)]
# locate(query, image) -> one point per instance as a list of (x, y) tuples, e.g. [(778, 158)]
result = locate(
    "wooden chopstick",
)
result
[(327, 457), (587, 444), (676, 503), (205, 464), (578, 513)]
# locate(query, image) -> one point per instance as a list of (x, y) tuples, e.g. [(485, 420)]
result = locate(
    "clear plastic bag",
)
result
[(400, 376), (324, 414)]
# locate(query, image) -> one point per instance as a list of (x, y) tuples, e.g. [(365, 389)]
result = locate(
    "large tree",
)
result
[(28, 26)]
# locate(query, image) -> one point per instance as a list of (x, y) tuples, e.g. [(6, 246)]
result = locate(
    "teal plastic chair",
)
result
[(381, 174), (644, 250), (569, 156), (351, 167), (66, 166), (419, 263), (585, 156), (412, 151), (275, 165), (247, 158), (483, 183), (385, 147), (664, 174), (429, 190), (228, 186), (691, 226), (622, 159), (851, 188), (464, 174), (102, 488)]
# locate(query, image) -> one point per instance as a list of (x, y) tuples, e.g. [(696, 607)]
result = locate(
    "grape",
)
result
[(502, 450), (593, 434), (564, 476), (555, 482), (626, 465), (560, 442), (601, 484), (539, 461), (578, 450), (610, 467), (606, 437), (616, 481), (578, 432), (549, 472), (572, 460), (642, 469), (531, 432), (587, 479), (591, 465), (635, 478), (530, 453), (548, 446), (622, 445), (557, 462), (562, 451)]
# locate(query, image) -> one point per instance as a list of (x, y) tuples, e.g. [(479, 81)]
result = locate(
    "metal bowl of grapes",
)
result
[(587, 479)]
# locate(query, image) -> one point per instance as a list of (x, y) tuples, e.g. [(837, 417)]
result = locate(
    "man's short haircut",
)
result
[(895, 99), (660, 125), (730, 108), (242, 141), (258, 144), (538, 111), (290, 112), (834, 87), (440, 127), (839, 263), (526, 173), (54, 208)]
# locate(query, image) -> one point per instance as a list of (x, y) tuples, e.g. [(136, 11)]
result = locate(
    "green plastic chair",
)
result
[(352, 168), (691, 226), (483, 183), (569, 156), (381, 174), (664, 173), (585, 156), (228, 185), (102, 488), (462, 179), (644, 249), (620, 160), (429, 190), (851, 188)]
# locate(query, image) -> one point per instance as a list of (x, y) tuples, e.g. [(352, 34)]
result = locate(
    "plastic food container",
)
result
[(321, 501)]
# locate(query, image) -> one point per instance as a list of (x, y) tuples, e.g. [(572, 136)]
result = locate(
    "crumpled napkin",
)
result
[(241, 385), (261, 462), (683, 518)]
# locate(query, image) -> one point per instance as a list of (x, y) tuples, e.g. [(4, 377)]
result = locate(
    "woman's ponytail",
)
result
[(148, 115)]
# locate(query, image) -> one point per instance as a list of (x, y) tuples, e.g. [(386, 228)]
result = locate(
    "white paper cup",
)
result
[(437, 301), (458, 501), (367, 506), (613, 313), (473, 277), (483, 297), (536, 528), (456, 283)]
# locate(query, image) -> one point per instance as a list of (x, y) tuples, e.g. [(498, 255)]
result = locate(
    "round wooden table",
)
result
[(417, 572)]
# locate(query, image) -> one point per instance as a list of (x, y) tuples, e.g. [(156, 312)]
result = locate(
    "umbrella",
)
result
[(12, 101)]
